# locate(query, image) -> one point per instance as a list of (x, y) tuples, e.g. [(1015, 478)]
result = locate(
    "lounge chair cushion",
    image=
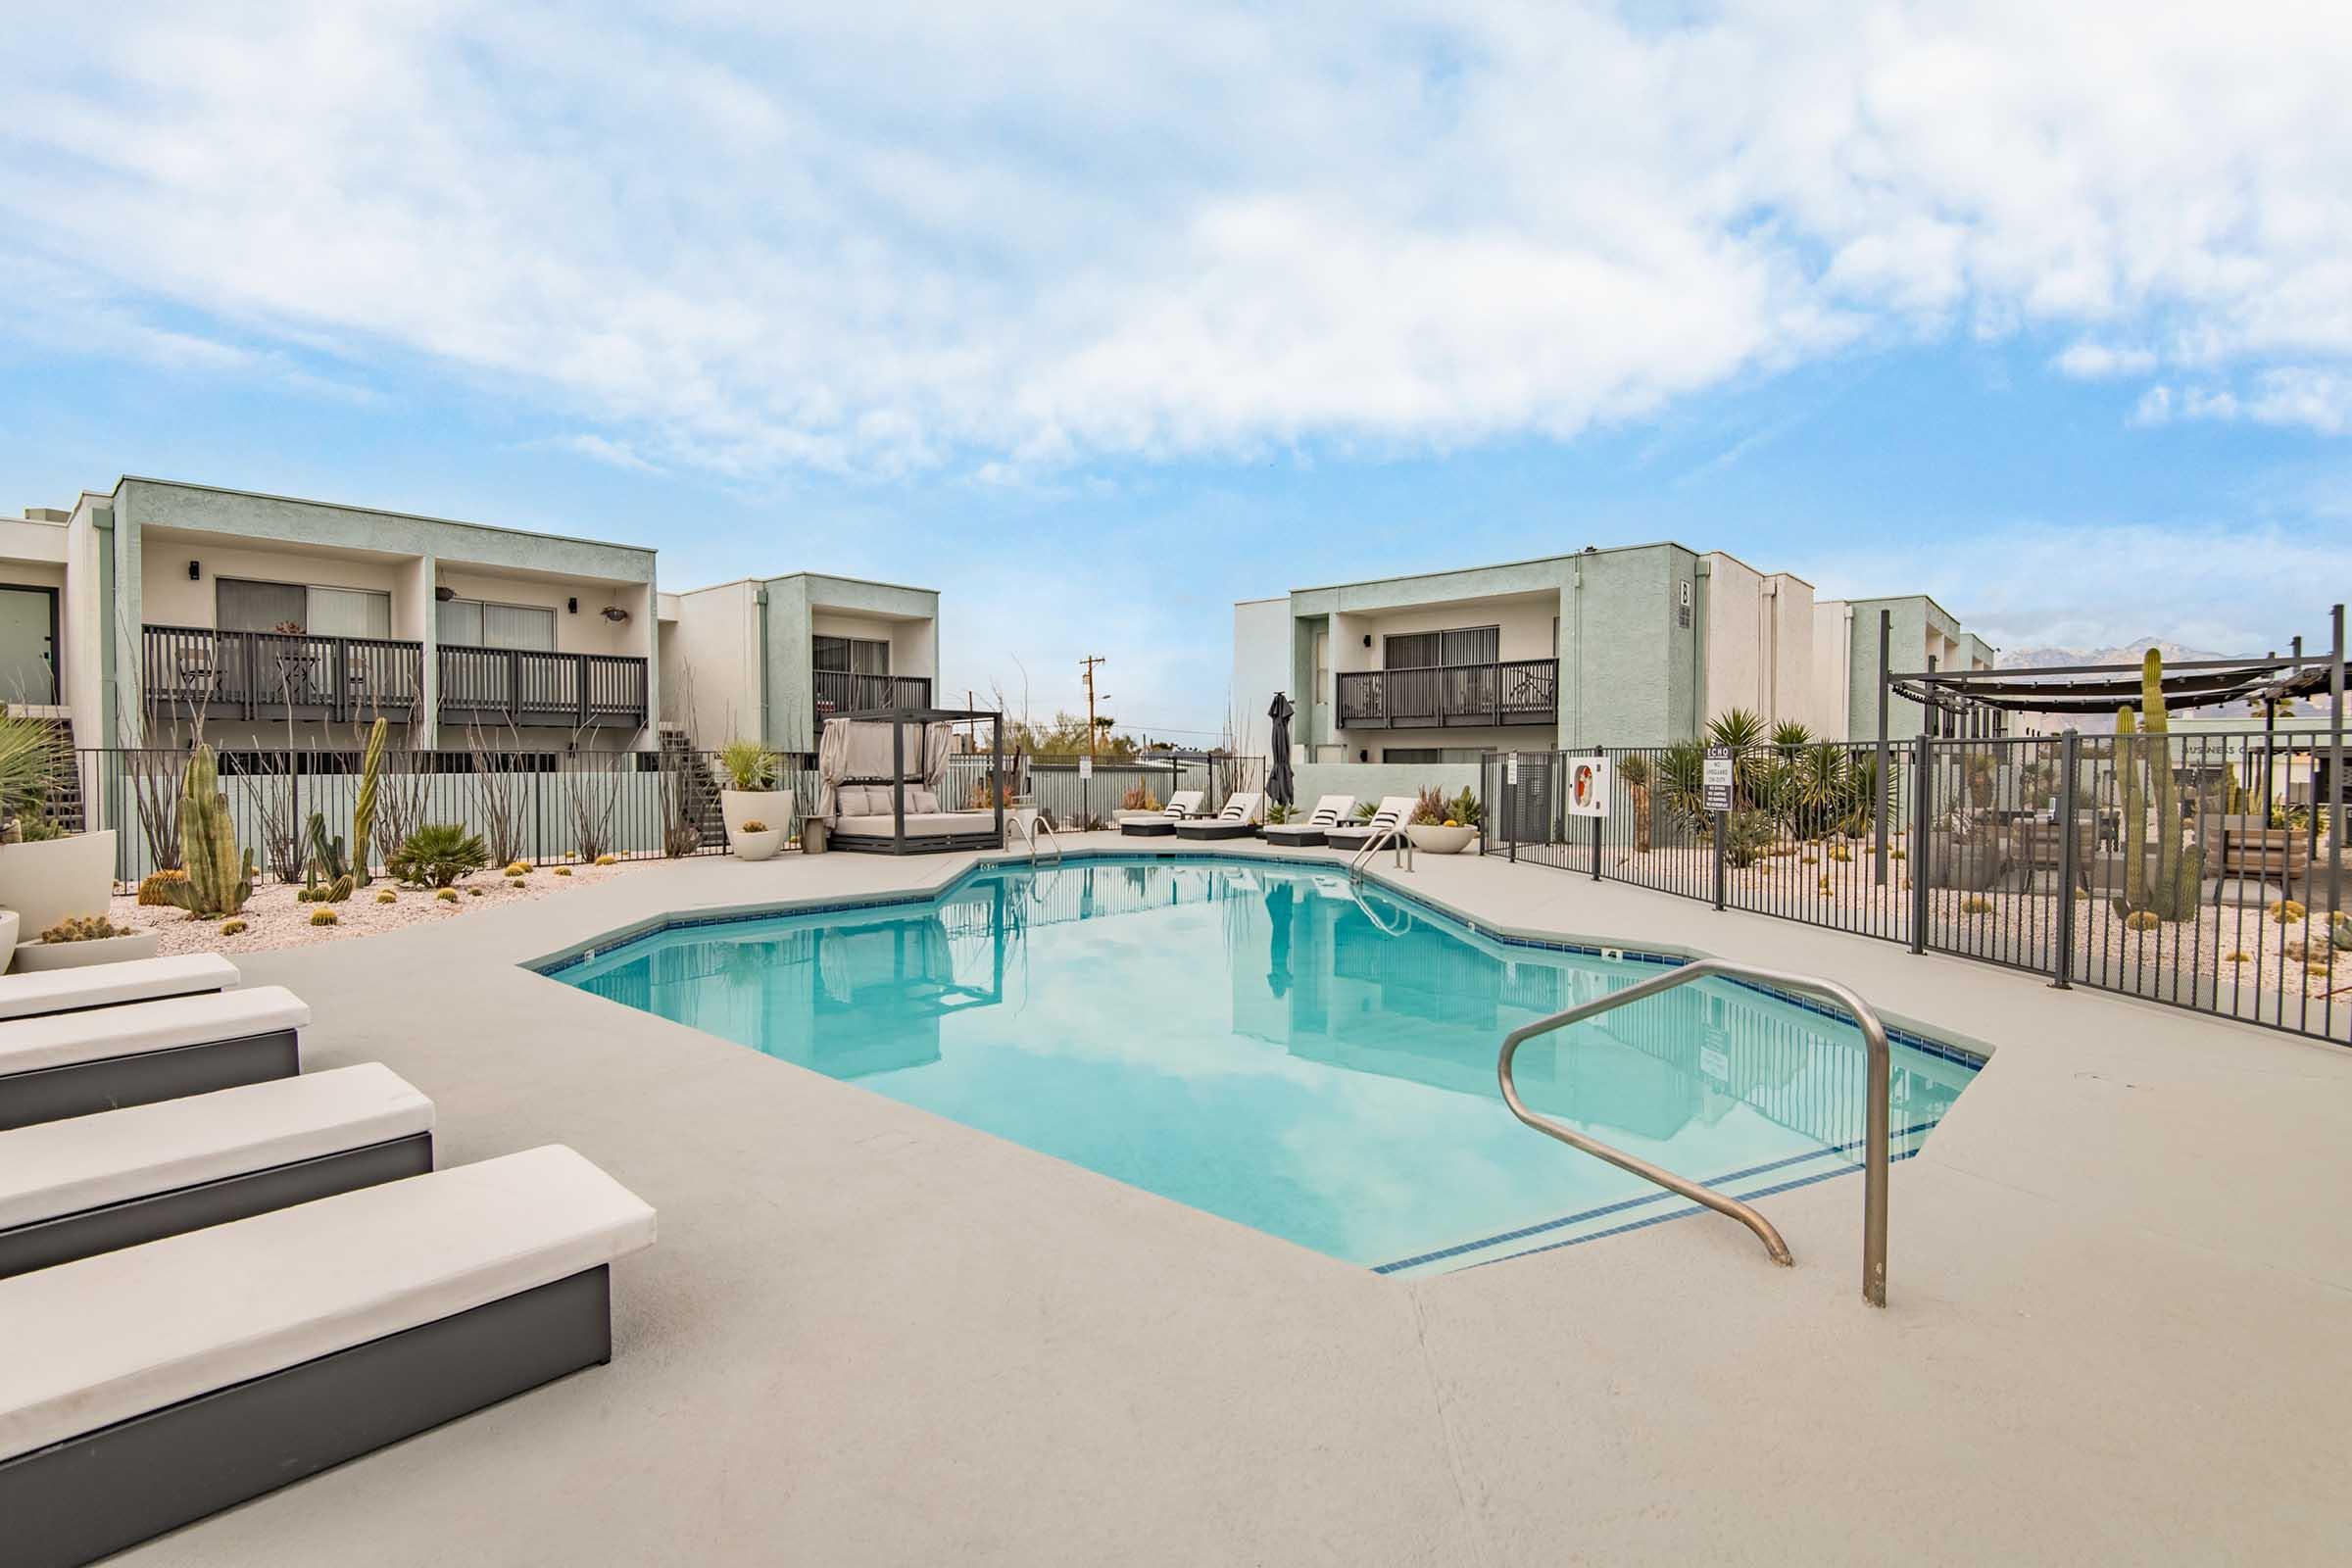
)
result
[(28, 1045), (918, 800), (82, 1163), (106, 985), (925, 825), (854, 800), (136, 1330)]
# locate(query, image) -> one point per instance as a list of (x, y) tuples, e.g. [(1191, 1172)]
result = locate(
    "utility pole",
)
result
[(1087, 664)]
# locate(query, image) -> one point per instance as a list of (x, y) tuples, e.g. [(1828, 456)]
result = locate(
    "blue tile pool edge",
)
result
[(553, 964)]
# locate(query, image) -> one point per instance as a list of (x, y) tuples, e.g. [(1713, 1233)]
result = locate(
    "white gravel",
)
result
[(273, 919)]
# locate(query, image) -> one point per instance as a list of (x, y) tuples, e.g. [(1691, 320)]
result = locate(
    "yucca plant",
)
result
[(1789, 735), (748, 765), (29, 766)]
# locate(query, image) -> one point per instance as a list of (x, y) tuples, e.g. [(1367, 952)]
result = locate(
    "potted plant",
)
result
[(80, 939), (748, 792), (1441, 825), (1021, 815), (46, 873), (755, 840)]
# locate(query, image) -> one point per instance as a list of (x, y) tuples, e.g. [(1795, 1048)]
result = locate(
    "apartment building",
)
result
[(145, 609), (1637, 645)]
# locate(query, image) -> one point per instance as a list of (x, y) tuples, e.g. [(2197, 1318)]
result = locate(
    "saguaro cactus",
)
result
[(220, 879), (2168, 891), (362, 811)]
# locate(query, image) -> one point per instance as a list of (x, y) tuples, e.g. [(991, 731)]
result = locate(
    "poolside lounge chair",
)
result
[(108, 985), (77, 1063), (91, 1184), (1356, 835), (1182, 806), (1305, 835), (181, 1377), (1238, 821)]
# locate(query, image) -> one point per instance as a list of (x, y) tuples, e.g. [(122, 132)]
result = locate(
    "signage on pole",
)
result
[(1715, 779), (1589, 786), (1510, 771), (1086, 768)]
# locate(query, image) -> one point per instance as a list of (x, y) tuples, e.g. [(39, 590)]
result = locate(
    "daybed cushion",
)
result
[(134, 1331), (62, 1039), (107, 985), (64, 1168), (925, 825)]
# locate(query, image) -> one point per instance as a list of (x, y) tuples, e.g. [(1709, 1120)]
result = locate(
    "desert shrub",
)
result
[(1749, 837), (1971, 905), (437, 854), (152, 886), (84, 928), (1138, 798), (1430, 807), (325, 917)]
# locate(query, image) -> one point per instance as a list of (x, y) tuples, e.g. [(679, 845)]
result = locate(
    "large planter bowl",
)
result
[(46, 882), (34, 956), (750, 846), (738, 807), (9, 924), (1435, 838)]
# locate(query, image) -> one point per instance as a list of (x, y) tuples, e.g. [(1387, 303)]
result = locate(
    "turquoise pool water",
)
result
[(1246, 1038)]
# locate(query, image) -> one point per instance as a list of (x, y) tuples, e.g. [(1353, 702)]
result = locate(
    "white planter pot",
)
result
[(757, 845), (738, 807), (35, 956), (9, 927), (47, 881), (1435, 838), (1019, 822)]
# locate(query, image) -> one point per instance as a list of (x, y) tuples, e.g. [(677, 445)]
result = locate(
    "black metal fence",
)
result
[(2194, 871), (537, 806)]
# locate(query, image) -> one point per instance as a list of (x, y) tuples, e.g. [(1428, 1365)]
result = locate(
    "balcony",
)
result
[(1521, 691), (519, 687), (263, 675), (256, 674), (840, 692)]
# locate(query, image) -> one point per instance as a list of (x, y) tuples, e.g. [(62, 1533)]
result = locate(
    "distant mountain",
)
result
[(2128, 654)]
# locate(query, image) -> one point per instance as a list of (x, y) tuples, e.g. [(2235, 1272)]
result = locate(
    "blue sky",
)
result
[(1098, 323)]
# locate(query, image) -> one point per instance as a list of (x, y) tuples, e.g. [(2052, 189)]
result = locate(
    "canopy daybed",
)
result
[(881, 776)]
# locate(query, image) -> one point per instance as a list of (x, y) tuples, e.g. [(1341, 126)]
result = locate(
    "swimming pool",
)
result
[(1248, 1038)]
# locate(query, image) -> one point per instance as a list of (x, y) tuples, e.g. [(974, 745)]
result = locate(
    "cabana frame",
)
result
[(899, 842)]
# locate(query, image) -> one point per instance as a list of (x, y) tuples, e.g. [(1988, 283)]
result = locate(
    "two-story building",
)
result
[(147, 609), (1638, 645)]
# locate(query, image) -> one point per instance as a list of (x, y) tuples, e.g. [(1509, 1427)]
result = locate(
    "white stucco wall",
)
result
[(1760, 643), (710, 663), (1832, 679), (1262, 649)]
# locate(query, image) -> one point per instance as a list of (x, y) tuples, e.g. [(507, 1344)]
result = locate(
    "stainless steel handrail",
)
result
[(1029, 832), (1386, 833), (1879, 1070)]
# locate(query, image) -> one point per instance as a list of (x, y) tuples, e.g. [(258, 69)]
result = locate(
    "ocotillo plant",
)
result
[(362, 811), (219, 878)]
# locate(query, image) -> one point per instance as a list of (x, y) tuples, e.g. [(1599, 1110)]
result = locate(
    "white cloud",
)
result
[(2098, 361), (2306, 396), (905, 238), (605, 449)]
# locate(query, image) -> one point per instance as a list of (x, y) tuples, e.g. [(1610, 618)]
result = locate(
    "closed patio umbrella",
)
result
[(1279, 787)]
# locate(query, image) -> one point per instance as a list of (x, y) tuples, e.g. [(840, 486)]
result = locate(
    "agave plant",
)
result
[(1741, 731), (1789, 735)]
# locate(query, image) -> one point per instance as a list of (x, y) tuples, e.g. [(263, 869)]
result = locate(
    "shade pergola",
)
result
[(2089, 689), (921, 720)]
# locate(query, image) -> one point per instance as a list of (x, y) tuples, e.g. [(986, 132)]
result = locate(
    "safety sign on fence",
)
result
[(1715, 779), (1588, 786)]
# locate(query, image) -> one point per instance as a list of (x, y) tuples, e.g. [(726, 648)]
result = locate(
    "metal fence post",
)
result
[(1922, 781), (2069, 751), (1719, 873), (1596, 822)]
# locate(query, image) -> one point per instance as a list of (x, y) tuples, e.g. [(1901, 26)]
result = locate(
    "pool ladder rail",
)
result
[(1030, 832), (1877, 1073), (1386, 833)]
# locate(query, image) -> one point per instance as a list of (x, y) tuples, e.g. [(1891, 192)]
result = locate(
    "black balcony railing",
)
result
[(840, 692), (255, 675), (1519, 691), (520, 687), (266, 674)]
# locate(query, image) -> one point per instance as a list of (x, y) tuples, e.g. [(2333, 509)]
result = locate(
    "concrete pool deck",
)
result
[(2119, 1286)]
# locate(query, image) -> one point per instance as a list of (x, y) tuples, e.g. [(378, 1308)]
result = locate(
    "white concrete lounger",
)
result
[(1238, 821), (1325, 816), (75, 1063), (1182, 806), (92, 1184), (108, 985), (176, 1378)]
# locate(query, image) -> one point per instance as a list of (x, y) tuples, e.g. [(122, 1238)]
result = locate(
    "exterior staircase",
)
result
[(700, 805)]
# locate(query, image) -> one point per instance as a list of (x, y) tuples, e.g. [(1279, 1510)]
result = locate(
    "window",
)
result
[(1470, 645), (1431, 753), (856, 656), (1323, 667), (477, 623), (243, 604)]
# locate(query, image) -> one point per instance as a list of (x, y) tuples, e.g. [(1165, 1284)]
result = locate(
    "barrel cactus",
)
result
[(220, 878)]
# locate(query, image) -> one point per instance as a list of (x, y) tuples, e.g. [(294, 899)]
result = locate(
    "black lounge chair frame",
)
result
[(110, 1083)]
